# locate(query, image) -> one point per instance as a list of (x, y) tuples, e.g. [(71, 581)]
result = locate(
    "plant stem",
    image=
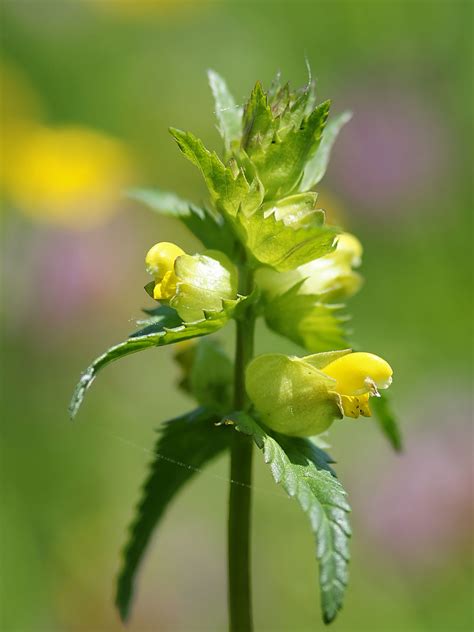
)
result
[(239, 586)]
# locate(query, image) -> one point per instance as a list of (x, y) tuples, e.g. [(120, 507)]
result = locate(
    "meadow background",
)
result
[(88, 90)]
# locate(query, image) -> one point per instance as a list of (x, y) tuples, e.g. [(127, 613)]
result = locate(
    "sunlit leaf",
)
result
[(289, 233), (228, 113), (316, 168), (303, 471), (156, 335), (228, 188), (305, 319), (279, 139), (210, 229)]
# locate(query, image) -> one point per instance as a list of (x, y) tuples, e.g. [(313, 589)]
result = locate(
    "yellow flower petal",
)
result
[(354, 405), (359, 373), (161, 257)]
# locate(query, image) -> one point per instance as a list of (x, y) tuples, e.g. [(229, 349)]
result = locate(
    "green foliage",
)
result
[(228, 188), (228, 113), (316, 167), (289, 233), (207, 374), (184, 447), (160, 330), (387, 421), (305, 319), (303, 471), (280, 141), (211, 229)]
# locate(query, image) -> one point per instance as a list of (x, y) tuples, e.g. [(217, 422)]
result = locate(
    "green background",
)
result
[(401, 177)]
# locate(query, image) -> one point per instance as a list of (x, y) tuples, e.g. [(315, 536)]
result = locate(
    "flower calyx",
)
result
[(303, 396), (191, 284)]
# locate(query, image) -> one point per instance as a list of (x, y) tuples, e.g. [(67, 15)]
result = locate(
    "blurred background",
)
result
[(88, 90)]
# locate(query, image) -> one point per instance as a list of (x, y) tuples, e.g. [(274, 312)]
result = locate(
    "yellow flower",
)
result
[(191, 284), (331, 277), (359, 376), (67, 175), (303, 396), (159, 263)]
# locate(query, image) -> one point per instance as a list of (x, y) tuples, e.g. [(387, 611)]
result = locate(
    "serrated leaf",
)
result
[(316, 168), (306, 320), (259, 124), (387, 421), (210, 229), (280, 162), (157, 335), (184, 447), (286, 238), (228, 189), (303, 471), (228, 113)]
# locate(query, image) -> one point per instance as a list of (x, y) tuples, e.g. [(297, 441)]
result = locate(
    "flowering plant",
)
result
[(268, 252)]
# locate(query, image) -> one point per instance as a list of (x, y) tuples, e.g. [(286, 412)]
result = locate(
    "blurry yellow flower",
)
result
[(68, 175), (331, 277)]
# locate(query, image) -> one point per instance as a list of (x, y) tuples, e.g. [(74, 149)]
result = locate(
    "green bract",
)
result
[(204, 281), (256, 188), (268, 252)]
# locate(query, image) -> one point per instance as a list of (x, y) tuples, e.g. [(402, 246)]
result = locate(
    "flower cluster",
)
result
[(276, 150)]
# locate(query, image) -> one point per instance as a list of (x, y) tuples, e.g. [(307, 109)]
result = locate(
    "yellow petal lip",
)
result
[(161, 257), (359, 373)]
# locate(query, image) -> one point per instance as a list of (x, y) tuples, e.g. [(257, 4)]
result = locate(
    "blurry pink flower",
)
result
[(65, 277), (394, 149), (420, 508)]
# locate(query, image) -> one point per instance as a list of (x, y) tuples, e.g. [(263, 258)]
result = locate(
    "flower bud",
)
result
[(303, 396), (191, 284), (331, 277)]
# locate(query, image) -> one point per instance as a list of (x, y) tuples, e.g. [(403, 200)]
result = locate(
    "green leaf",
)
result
[(164, 202), (157, 335), (228, 188), (316, 167), (210, 229), (288, 233), (259, 124), (184, 447), (228, 113), (280, 155), (306, 320), (387, 421), (303, 471)]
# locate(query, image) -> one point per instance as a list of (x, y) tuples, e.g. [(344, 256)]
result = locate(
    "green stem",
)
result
[(240, 600)]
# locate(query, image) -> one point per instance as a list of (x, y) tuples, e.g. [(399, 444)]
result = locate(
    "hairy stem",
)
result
[(239, 585)]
